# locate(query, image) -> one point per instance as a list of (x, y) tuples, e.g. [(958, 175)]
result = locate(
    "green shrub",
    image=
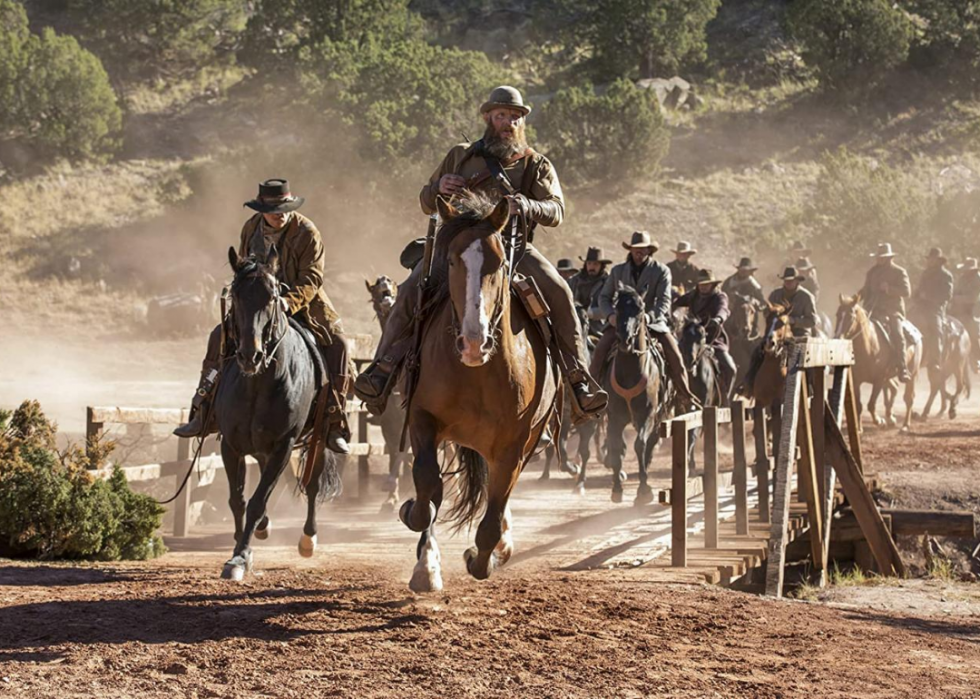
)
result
[(636, 38), (950, 34), (52, 507), (851, 43), (608, 139), (14, 44)]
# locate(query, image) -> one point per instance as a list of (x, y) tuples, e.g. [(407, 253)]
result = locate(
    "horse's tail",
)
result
[(471, 497), (331, 478)]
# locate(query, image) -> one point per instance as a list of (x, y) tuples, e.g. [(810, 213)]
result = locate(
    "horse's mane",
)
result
[(248, 268), (471, 208)]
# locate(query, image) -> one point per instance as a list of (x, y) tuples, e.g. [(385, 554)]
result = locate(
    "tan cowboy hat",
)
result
[(641, 239), (804, 265), (684, 248), (746, 264), (791, 273), (884, 250), (936, 253), (706, 277), (275, 198), (595, 255), (505, 96), (969, 263)]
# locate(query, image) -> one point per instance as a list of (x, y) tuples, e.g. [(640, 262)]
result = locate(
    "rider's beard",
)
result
[(505, 148)]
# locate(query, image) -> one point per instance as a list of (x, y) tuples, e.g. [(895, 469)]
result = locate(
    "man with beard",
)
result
[(587, 284), (502, 166), (683, 273)]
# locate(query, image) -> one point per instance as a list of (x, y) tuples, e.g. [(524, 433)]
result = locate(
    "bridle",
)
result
[(276, 330), (637, 341), (496, 330)]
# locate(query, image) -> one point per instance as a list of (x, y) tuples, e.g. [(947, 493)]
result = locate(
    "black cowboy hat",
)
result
[(641, 239), (746, 263), (566, 265), (595, 255), (275, 198), (791, 273)]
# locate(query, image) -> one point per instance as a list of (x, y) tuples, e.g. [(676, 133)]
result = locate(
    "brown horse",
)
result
[(383, 293), (954, 364), (485, 382), (873, 362), (743, 332), (767, 389)]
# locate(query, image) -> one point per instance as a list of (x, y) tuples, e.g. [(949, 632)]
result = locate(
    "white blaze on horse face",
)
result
[(476, 323)]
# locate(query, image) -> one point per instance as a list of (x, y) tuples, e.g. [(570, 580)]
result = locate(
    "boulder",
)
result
[(672, 94)]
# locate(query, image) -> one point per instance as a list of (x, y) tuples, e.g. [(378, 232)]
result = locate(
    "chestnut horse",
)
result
[(485, 382), (770, 380), (873, 361)]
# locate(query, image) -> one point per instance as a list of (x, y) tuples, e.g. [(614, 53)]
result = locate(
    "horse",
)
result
[(954, 364), (383, 293), (873, 361), (743, 332), (485, 382), (638, 393), (770, 380), (702, 369), (263, 404)]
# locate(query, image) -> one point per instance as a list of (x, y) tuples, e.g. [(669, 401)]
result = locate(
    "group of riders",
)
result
[(501, 165)]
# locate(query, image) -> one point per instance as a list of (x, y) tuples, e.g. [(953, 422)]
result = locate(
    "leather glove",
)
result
[(539, 211)]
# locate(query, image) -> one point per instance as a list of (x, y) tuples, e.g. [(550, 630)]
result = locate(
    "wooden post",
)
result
[(678, 495), (784, 463), (808, 474), (853, 420), (93, 430), (182, 505), (762, 462), (710, 427), (833, 409), (817, 406), (363, 463), (740, 476)]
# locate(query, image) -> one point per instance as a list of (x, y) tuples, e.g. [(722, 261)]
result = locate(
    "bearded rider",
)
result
[(300, 248), (529, 182), (587, 284)]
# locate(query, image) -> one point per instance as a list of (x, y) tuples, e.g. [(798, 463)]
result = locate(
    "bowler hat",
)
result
[(505, 96), (275, 198)]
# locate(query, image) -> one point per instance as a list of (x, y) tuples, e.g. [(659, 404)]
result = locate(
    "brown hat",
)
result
[(505, 96), (884, 250), (684, 248), (595, 255), (641, 239), (275, 198), (791, 273), (706, 277), (746, 263)]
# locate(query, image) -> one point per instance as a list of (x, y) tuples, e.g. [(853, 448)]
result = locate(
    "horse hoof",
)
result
[(427, 577), (623, 477), (470, 556), (263, 534), (407, 515), (545, 475), (237, 567), (579, 490), (307, 545), (391, 484), (617, 496), (570, 468), (952, 413), (644, 496)]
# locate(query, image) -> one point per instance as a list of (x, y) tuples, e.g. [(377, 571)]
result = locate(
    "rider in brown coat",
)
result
[(885, 291)]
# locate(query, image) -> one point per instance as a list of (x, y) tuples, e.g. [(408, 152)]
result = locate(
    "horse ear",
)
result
[(367, 285), (272, 260), (233, 258), (500, 215), (447, 212)]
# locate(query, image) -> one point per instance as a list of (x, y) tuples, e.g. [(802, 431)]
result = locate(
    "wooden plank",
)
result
[(853, 421), (183, 502), (808, 475), (817, 406), (361, 346), (138, 416), (784, 462), (835, 402), (863, 505), (919, 522), (678, 519), (762, 463), (693, 420), (740, 474), (695, 487), (710, 437), (824, 352)]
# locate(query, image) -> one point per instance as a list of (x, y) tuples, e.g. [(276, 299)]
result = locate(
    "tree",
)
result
[(950, 32), (608, 139), (851, 43), (14, 40), (635, 38)]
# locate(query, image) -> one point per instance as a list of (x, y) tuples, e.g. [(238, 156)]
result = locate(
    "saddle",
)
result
[(319, 362), (912, 334)]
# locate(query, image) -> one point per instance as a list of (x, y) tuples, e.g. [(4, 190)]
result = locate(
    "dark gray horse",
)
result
[(638, 393), (699, 360), (263, 404)]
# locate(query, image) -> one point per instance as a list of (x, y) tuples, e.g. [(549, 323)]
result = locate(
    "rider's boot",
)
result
[(374, 384), (901, 363), (686, 400), (338, 431), (202, 422), (590, 399)]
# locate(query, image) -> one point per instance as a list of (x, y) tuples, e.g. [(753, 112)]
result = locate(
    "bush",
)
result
[(851, 43), (14, 43), (604, 139), (51, 506), (636, 38), (950, 33)]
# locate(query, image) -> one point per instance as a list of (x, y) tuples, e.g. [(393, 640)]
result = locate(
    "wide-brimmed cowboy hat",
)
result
[(706, 277), (936, 254), (804, 265), (684, 248), (594, 255), (791, 273), (507, 97), (746, 264), (969, 263), (566, 265), (884, 250), (641, 239), (275, 198), (800, 249)]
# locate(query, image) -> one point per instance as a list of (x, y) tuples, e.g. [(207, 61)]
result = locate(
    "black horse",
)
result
[(263, 404), (702, 368), (638, 393)]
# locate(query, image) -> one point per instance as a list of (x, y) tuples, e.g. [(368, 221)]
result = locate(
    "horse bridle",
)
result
[(638, 337), (498, 314), (275, 331)]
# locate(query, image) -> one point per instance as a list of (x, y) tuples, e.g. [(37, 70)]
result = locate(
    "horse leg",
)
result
[(241, 561), (586, 434), (427, 574), (235, 471), (419, 513), (643, 446), (307, 540), (891, 393), (264, 526), (549, 454), (909, 400), (566, 465), (692, 463), (482, 559), (391, 485), (873, 403), (615, 451)]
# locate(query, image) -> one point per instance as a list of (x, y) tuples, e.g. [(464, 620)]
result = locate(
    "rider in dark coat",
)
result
[(709, 305), (966, 302), (886, 289), (587, 284), (933, 294), (683, 274)]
